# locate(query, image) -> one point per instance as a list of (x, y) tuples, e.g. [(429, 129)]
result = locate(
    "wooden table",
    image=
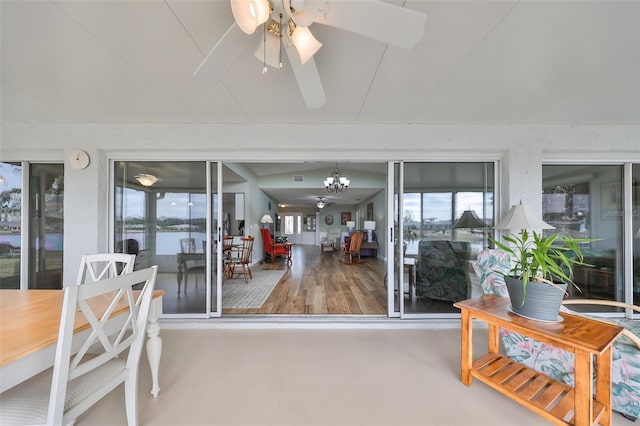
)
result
[(287, 248), (29, 323), (586, 338)]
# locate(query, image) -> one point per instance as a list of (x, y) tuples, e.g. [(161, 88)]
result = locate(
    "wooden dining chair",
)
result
[(81, 378), (239, 260)]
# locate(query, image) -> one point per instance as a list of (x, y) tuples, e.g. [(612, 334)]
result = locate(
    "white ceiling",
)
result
[(528, 61)]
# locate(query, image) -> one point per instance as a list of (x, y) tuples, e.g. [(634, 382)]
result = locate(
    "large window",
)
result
[(635, 229), (46, 220), (163, 222), (586, 201), (447, 217), (44, 253), (10, 229)]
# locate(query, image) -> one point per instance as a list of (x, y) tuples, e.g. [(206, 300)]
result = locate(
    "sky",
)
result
[(438, 205)]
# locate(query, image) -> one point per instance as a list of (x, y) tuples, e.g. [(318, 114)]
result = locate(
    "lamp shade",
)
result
[(266, 219), (248, 14), (468, 219), (369, 225), (305, 43), (520, 217), (351, 224)]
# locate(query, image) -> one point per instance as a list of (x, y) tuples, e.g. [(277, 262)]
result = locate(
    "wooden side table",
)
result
[(373, 246), (586, 338), (287, 249)]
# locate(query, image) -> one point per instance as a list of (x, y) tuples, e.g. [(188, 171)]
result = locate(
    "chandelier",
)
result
[(335, 182)]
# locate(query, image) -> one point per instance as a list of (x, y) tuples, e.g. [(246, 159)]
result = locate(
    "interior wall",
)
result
[(521, 150)]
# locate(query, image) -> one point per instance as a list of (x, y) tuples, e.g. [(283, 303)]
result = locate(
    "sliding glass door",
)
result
[(161, 217), (599, 202), (46, 225), (446, 212), (10, 225)]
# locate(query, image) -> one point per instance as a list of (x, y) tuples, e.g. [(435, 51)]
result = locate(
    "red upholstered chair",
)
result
[(271, 249)]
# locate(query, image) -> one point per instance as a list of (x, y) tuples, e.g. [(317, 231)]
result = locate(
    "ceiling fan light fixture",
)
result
[(249, 14), (306, 44), (146, 179), (321, 204)]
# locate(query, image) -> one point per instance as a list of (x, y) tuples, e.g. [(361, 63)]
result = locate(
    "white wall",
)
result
[(520, 148)]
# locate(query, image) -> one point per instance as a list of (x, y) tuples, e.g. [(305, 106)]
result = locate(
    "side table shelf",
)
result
[(589, 340), (536, 391)]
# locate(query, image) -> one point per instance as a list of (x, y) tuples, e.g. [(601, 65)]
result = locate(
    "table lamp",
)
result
[(350, 225), (369, 226), (520, 217)]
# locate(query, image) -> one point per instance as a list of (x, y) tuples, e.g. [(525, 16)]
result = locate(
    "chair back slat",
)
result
[(95, 267), (357, 238), (188, 245)]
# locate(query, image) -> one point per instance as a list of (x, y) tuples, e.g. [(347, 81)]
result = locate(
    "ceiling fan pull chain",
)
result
[(264, 48), (280, 47)]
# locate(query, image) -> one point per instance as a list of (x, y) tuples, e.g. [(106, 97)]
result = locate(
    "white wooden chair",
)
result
[(81, 379), (95, 267), (194, 263)]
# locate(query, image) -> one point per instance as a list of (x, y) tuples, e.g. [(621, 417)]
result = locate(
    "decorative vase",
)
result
[(542, 301)]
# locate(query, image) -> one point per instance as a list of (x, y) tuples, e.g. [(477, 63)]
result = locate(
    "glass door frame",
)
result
[(219, 253), (394, 235)]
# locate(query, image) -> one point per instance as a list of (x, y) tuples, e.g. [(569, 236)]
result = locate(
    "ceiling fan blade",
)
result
[(310, 11), (224, 53), (375, 19), (308, 79)]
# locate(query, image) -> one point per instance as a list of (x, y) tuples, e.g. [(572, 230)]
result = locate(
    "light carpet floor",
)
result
[(317, 378), (237, 293)]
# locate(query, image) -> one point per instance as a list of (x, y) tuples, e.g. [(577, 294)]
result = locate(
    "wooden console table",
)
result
[(561, 404)]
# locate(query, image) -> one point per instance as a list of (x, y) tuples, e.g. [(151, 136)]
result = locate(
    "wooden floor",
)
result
[(318, 283)]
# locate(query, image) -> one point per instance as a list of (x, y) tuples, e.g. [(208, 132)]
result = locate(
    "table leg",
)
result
[(603, 385), (181, 269), (583, 388), (494, 339), (466, 355), (154, 348)]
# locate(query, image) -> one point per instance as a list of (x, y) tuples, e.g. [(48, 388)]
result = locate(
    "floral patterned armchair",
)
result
[(442, 270), (557, 363)]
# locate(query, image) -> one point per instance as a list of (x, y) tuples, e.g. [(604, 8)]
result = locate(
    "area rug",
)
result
[(236, 293)]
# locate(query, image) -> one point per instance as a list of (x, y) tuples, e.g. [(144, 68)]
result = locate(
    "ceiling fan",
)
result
[(284, 25), (322, 203)]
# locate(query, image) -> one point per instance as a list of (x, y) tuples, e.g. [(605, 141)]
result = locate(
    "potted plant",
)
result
[(409, 235), (541, 272)]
